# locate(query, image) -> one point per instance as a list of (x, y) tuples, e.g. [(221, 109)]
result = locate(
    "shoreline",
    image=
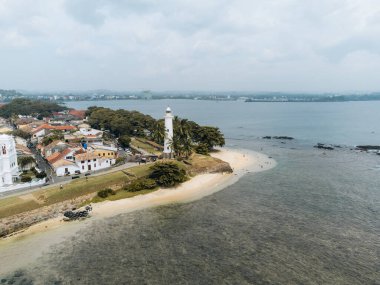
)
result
[(25, 246)]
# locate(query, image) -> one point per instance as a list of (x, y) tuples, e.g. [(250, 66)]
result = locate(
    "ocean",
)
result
[(313, 219)]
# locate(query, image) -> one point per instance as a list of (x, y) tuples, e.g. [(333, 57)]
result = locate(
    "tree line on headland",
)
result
[(123, 124), (188, 135)]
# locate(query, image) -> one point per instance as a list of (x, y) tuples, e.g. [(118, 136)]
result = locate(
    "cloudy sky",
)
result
[(243, 45)]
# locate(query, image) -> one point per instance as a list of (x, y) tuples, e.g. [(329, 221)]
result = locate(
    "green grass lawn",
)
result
[(144, 146), (140, 170), (9, 201), (17, 208), (80, 187), (76, 188), (120, 194)]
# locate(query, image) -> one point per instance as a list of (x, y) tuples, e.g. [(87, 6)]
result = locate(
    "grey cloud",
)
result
[(195, 44), (86, 11), (338, 52)]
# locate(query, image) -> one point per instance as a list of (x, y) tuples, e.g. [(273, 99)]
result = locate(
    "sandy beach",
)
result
[(21, 249)]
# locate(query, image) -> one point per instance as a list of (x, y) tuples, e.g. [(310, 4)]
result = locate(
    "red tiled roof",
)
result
[(33, 131), (78, 113), (86, 156), (58, 155), (53, 157), (50, 127), (79, 151)]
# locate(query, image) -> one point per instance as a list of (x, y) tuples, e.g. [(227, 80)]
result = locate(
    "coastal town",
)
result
[(55, 148), (189, 142), (54, 159)]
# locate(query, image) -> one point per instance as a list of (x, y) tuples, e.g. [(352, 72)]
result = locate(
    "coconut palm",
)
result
[(158, 132), (182, 142)]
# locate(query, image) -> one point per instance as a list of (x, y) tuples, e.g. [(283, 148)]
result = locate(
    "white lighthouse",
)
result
[(168, 151), (8, 161)]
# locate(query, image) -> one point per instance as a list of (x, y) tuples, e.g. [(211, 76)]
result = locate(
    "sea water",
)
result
[(313, 219)]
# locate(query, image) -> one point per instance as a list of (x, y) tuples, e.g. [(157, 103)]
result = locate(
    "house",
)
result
[(41, 131), (63, 128), (67, 154), (77, 114), (104, 151), (94, 140), (90, 161), (28, 124), (68, 116), (53, 147), (87, 135), (84, 126), (64, 167), (38, 134), (91, 131)]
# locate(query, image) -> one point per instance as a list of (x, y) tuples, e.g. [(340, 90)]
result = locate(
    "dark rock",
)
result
[(368, 147), (323, 146), (278, 137), (283, 138)]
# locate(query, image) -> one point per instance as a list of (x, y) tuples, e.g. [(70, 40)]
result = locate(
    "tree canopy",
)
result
[(188, 135), (124, 140), (25, 160), (120, 122), (167, 174), (23, 106)]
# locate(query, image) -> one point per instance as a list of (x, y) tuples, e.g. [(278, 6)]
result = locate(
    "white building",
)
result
[(90, 161), (168, 151), (8, 161), (90, 132), (65, 167)]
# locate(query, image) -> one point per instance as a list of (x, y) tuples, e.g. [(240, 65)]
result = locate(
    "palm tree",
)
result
[(182, 142), (158, 132)]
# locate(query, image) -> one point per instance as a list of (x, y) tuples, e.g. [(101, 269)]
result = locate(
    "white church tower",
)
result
[(168, 151), (8, 160)]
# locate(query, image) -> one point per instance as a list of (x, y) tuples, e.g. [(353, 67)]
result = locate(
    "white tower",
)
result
[(168, 151), (8, 160)]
